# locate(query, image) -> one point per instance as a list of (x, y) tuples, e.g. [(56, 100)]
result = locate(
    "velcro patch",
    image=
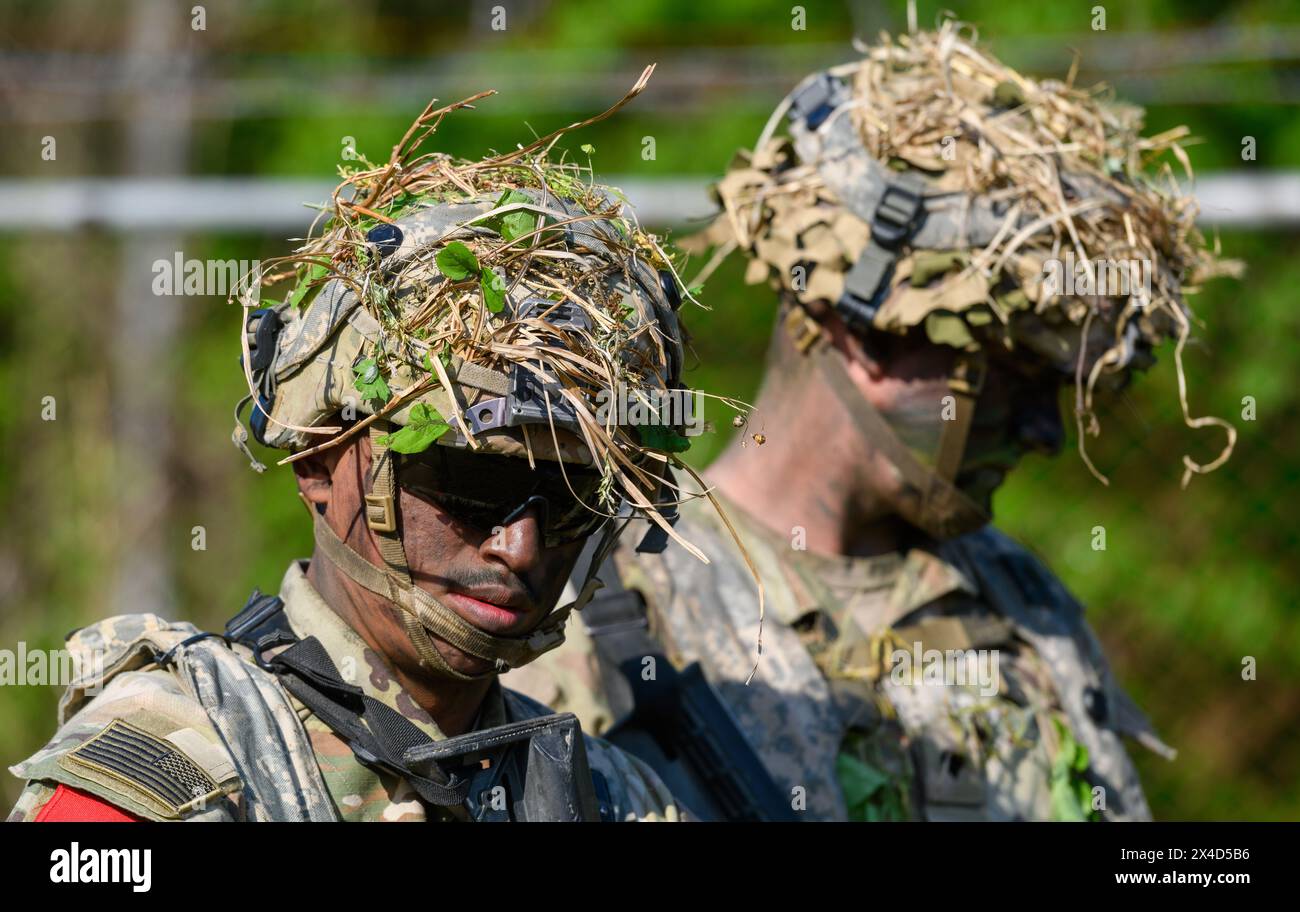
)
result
[(69, 805), (148, 766)]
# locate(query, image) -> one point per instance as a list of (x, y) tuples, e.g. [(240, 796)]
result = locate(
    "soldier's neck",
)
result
[(452, 704), (811, 479)]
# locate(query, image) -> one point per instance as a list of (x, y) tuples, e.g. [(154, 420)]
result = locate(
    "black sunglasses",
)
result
[(487, 490)]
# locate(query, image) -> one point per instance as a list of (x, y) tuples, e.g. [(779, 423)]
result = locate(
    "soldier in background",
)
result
[(937, 226), (457, 321)]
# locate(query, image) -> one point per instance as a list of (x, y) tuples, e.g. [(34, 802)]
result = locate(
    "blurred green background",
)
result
[(100, 504)]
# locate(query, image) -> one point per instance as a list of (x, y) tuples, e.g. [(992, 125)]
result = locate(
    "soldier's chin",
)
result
[(462, 661), (980, 484)]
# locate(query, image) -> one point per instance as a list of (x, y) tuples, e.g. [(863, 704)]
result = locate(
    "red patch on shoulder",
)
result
[(69, 805)]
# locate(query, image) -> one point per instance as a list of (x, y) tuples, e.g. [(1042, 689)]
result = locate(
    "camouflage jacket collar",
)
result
[(912, 578)]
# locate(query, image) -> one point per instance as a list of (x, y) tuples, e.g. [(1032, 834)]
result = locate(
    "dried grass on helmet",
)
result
[(937, 103), (440, 319)]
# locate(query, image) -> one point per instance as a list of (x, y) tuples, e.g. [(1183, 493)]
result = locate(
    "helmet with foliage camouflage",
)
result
[(927, 188), (491, 306)]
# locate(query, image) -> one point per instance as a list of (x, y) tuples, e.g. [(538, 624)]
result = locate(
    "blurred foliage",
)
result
[(1190, 583)]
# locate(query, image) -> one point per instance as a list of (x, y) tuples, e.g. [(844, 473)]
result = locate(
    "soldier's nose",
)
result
[(517, 542)]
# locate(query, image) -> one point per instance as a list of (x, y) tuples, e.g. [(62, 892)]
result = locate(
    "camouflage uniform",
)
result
[(170, 718), (824, 711)]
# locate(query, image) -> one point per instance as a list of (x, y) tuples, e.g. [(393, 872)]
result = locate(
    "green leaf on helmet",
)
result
[(317, 272), (588, 148), (1065, 802), (948, 329), (516, 224), (870, 794), (444, 356), (665, 439), (1080, 758), (399, 203), (423, 427), (457, 262), (928, 265), (1015, 299), (494, 290), (370, 382)]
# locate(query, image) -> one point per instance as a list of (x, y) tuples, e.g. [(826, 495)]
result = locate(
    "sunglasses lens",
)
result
[(481, 490)]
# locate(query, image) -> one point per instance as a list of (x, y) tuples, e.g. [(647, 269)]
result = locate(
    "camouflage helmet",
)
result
[(928, 188), (439, 291), (490, 305)]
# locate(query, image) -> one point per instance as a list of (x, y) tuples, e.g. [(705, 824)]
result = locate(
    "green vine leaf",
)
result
[(870, 794), (658, 437), (457, 262), (424, 426), (494, 290), (317, 272), (444, 356), (1071, 794), (515, 224), (370, 382)]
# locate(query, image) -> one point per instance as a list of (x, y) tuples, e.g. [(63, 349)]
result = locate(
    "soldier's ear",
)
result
[(315, 475), (336, 471), (867, 354), (315, 480)]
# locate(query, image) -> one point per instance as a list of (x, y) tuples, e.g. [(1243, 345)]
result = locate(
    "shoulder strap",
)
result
[(377, 734)]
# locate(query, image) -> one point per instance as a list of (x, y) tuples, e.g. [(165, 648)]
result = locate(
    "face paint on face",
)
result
[(502, 579), (1016, 413)]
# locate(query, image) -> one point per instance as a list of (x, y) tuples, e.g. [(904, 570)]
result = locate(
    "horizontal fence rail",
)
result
[(1228, 199)]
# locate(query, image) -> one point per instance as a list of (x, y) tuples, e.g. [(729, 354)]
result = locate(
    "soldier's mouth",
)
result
[(504, 616)]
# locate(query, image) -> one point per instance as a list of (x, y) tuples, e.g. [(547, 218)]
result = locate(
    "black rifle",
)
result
[(675, 721)]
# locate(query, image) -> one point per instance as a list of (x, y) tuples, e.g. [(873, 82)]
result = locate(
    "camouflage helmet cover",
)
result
[(601, 302), (994, 186), (485, 297)]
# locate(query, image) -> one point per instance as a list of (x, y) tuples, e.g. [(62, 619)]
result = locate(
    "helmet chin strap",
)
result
[(930, 500), (422, 614)]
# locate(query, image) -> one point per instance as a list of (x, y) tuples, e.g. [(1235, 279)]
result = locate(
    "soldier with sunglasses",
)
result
[(434, 373)]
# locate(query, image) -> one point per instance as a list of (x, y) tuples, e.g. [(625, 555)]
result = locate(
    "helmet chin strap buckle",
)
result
[(966, 383), (802, 329), (381, 514), (544, 640), (968, 375)]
